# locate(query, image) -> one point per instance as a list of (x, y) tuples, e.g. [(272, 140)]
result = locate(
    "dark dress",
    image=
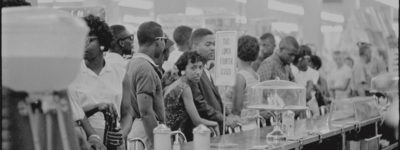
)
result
[(177, 117)]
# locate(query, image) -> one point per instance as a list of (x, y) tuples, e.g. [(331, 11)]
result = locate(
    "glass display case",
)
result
[(279, 94), (278, 97), (352, 110)]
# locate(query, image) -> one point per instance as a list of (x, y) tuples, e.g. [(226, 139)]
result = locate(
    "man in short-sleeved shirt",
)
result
[(142, 99), (277, 66)]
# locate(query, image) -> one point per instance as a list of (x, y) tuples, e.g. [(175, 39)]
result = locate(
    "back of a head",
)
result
[(182, 35), (116, 31), (147, 32), (248, 48), (100, 29), (289, 40), (198, 34), (267, 36)]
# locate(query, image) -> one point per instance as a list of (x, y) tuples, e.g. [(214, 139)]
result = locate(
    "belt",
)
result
[(78, 123)]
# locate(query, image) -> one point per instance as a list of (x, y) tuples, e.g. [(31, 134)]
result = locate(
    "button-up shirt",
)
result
[(89, 89), (273, 68)]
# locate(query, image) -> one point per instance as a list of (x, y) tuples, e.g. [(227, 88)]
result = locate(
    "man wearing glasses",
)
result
[(121, 45), (142, 103)]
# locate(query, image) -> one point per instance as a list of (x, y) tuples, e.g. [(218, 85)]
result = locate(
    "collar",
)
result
[(144, 56), (85, 69)]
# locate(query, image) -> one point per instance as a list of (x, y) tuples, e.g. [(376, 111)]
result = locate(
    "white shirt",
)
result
[(338, 78), (173, 58), (77, 111), (89, 89), (115, 59), (301, 77)]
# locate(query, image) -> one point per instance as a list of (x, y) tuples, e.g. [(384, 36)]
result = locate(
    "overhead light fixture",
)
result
[(140, 4), (392, 3), (285, 7), (332, 17), (193, 11)]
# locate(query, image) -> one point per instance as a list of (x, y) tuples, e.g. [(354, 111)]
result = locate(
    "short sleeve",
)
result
[(77, 111), (145, 81)]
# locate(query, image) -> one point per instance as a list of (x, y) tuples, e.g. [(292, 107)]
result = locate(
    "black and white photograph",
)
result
[(200, 74)]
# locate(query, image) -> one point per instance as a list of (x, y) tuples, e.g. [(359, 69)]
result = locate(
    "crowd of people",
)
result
[(158, 85), (143, 91)]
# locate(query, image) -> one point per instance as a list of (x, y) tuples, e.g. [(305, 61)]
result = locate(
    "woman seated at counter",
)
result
[(180, 110), (246, 77)]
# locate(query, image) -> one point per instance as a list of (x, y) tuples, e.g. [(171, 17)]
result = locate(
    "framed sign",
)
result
[(225, 58)]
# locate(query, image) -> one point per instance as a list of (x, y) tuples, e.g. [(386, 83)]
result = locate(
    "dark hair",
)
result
[(191, 56), (198, 34), (267, 36), (148, 31), (304, 50), (14, 3), (182, 34), (316, 61), (100, 29), (116, 30), (248, 48), (289, 40)]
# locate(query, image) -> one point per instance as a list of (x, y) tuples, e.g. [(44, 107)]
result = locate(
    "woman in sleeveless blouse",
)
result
[(180, 110), (246, 77)]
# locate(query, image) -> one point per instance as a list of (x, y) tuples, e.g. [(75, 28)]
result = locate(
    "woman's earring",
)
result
[(102, 48), (182, 72)]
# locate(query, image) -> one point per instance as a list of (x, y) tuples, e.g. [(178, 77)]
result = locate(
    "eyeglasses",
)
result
[(163, 38), (131, 37)]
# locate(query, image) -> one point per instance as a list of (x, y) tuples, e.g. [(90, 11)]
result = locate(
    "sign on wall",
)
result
[(225, 58)]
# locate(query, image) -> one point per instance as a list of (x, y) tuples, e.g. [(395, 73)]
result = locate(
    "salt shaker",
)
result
[(162, 137), (201, 138)]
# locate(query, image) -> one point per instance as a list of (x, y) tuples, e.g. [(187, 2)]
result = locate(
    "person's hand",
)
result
[(232, 120), (115, 138), (95, 143), (216, 130)]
